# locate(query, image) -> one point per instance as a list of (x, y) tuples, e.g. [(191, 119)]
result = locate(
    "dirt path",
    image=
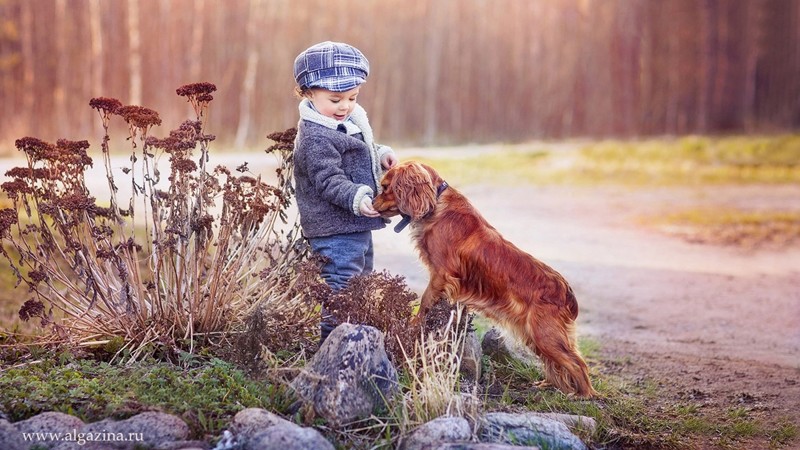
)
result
[(712, 324)]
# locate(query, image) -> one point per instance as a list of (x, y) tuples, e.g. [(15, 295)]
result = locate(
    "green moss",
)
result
[(206, 396)]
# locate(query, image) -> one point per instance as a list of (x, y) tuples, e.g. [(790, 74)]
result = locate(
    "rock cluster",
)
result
[(349, 378)]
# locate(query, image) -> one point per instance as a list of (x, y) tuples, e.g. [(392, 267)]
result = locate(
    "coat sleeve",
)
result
[(383, 150)]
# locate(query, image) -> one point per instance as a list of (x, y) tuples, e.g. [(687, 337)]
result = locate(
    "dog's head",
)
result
[(408, 188)]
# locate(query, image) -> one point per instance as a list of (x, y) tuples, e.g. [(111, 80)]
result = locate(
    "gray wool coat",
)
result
[(333, 172)]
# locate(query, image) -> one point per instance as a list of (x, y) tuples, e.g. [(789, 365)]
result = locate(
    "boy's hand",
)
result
[(366, 208), (389, 160)]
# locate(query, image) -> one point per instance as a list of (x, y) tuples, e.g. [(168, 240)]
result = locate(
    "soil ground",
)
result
[(716, 326)]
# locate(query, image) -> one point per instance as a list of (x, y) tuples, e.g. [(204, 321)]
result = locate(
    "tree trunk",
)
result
[(135, 55), (196, 46), (433, 57), (249, 80), (28, 58)]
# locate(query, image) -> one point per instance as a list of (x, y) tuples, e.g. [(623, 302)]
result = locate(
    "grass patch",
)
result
[(502, 167), (634, 415), (783, 433), (206, 395), (732, 227), (693, 160), (623, 413), (660, 162)]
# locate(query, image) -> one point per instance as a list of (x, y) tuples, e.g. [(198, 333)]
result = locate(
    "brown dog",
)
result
[(470, 262)]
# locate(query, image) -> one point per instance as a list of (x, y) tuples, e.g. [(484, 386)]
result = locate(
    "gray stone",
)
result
[(575, 423), (494, 346), (479, 446), (501, 346), (186, 445), (349, 377), (287, 436), (471, 355), (148, 430), (256, 429), (47, 426), (528, 429), (250, 421), (438, 431), (11, 438)]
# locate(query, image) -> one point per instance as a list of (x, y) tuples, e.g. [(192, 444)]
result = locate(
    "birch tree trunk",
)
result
[(61, 65), (135, 53), (196, 46), (95, 80), (433, 57), (249, 80), (28, 58)]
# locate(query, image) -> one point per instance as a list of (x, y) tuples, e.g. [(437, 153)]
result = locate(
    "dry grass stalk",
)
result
[(196, 270), (434, 377)]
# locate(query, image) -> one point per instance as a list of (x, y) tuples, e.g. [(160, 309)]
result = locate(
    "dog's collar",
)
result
[(406, 219)]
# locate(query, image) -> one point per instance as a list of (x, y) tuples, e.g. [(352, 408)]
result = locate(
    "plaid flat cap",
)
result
[(334, 66)]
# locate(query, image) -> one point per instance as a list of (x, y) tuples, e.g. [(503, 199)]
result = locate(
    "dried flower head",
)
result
[(139, 116), (180, 140), (73, 152), (196, 90), (36, 149), (75, 202), (105, 105), (284, 141), (38, 275), (199, 95), (31, 308), (129, 245), (8, 218), (184, 165), (15, 188), (203, 224)]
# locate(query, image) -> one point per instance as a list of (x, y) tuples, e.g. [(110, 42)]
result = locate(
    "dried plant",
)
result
[(193, 258), (432, 388), (377, 299)]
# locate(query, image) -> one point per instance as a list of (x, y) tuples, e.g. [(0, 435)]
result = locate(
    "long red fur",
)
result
[(470, 262)]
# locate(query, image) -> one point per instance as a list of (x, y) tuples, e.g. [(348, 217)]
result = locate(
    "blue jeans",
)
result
[(348, 255)]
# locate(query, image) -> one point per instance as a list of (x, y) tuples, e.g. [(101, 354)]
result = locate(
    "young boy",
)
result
[(337, 165)]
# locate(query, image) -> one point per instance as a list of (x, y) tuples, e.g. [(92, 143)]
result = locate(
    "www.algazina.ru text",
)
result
[(82, 438)]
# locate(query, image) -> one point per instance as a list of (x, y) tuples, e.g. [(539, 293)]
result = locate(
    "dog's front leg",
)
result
[(433, 292)]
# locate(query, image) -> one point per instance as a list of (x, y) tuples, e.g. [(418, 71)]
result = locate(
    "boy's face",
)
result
[(336, 105)]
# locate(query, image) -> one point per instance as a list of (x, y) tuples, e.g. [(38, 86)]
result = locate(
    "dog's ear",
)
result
[(414, 191)]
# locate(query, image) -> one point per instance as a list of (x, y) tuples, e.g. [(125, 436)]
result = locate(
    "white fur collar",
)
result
[(359, 118)]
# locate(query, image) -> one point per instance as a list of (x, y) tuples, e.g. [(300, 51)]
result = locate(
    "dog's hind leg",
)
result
[(563, 365)]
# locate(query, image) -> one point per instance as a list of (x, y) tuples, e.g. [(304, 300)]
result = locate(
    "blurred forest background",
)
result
[(443, 71)]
